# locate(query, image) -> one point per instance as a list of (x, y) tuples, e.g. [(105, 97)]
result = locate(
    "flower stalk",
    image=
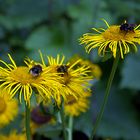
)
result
[(107, 91), (27, 122), (70, 126), (63, 121)]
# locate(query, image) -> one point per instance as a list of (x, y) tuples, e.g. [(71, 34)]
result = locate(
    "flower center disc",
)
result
[(114, 33), (22, 75), (2, 105)]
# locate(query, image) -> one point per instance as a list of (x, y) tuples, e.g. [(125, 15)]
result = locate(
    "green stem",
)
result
[(63, 121), (70, 127), (27, 122), (107, 91)]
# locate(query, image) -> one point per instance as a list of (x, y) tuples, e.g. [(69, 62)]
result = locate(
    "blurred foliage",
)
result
[(54, 26)]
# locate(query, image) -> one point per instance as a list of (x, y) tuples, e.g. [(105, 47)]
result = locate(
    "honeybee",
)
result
[(35, 70), (127, 27)]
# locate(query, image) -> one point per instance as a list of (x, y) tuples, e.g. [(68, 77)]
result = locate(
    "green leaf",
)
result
[(40, 38), (24, 13), (50, 41)]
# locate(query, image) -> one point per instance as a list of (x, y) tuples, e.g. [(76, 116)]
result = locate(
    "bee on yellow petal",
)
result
[(116, 39), (75, 79), (23, 80)]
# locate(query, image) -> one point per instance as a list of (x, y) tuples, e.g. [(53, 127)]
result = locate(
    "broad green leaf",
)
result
[(49, 41)]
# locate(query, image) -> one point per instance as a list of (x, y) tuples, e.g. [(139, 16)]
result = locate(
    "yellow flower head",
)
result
[(26, 79), (116, 38), (75, 79), (75, 107), (8, 109), (95, 70), (13, 136)]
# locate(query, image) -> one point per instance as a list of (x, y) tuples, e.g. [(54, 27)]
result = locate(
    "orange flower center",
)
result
[(22, 75), (114, 33)]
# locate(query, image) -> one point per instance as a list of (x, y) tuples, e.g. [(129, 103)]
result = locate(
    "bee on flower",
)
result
[(75, 78), (23, 80), (116, 39)]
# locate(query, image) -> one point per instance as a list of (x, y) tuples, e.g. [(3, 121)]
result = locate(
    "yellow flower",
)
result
[(116, 38), (75, 79), (26, 79), (13, 136), (94, 68), (75, 107), (8, 108)]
